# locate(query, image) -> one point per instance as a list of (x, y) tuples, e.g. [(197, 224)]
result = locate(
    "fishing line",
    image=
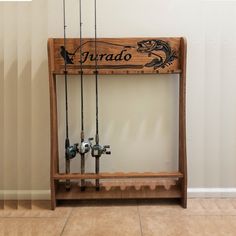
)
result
[(97, 149), (84, 146), (81, 73), (70, 151), (67, 142), (65, 70), (96, 71)]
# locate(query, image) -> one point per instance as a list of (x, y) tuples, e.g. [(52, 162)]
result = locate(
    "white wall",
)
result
[(138, 113)]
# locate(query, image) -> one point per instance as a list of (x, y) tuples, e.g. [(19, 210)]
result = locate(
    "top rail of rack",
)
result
[(117, 55)]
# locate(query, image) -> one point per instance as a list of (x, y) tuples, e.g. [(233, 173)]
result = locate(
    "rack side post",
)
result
[(182, 122), (53, 124)]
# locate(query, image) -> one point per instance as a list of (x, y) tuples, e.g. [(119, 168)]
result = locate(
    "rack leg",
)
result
[(53, 194), (183, 193)]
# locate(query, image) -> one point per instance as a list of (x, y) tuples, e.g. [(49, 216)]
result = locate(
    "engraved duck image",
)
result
[(66, 55)]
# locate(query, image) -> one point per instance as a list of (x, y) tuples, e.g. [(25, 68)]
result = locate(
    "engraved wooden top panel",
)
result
[(116, 55)]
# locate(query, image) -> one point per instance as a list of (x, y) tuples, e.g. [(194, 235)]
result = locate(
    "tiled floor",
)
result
[(211, 217)]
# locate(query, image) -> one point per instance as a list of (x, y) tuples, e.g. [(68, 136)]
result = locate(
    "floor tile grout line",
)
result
[(66, 221), (140, 222), (60, 217), (31, 217)]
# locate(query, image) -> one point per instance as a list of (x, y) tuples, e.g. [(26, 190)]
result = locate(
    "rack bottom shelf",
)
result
[(116, 192)]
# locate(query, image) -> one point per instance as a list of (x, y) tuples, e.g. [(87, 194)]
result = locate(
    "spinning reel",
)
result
[(84, 146), (71, 151), (98, 150)]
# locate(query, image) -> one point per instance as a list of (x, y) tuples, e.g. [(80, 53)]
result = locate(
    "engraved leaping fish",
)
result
[(151, 46)]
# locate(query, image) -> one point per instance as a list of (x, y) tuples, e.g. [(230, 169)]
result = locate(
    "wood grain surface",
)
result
[(117, 55)]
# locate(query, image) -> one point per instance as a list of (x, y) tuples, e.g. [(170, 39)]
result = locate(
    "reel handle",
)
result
[(90, 141), (105, 150)]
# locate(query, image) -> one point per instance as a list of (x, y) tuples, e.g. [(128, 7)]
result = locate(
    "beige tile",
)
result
[(220, 206), (160, 209), (232, 221), (103, 221), (194, 208), (225, 225), (226, 206), (233, 202), (203, 217), (168, 225), (210, 206), (1, 228), (31, 226), (187, 226)]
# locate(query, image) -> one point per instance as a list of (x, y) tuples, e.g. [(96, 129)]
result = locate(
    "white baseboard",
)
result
[(211, 192), (45, 194)]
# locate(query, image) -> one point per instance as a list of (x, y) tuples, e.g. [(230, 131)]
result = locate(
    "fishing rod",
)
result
[(84, 146), (70, 151), (97, 149)]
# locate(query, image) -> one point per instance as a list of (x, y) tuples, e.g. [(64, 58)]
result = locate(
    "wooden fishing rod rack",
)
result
[(120, 56)]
